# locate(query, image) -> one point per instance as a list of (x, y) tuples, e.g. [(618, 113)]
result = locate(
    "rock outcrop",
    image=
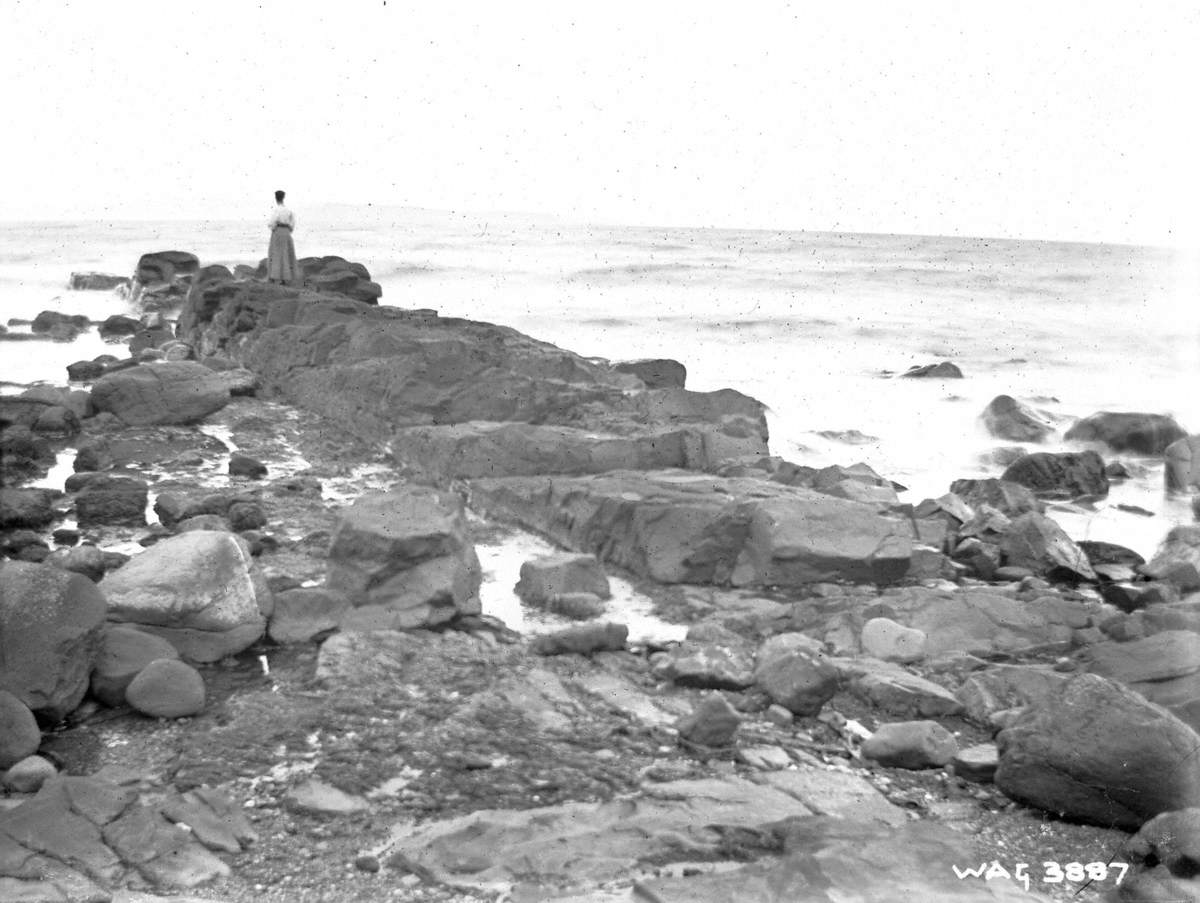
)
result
[(683, 527), (435, 388)]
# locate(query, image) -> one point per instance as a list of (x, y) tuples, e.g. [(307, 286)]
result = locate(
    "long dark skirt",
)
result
[(281, 257)]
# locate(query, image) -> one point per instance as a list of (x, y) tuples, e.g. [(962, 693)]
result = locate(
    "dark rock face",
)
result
[(23, 455), (682, 527), (96, 282), (1007, 418), (26, 508), (944, 370), (1143, 434), (1069, 474), (164, 393), (1036, 542), (658, 373), (164, 266), (49, 320), (50, 629), (448, 378), (112, 500), (1100, 753)]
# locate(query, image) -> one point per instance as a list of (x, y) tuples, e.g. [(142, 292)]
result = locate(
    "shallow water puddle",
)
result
[(501, 559)]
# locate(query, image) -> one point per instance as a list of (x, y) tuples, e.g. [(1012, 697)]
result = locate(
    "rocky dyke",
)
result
[(872, 697)]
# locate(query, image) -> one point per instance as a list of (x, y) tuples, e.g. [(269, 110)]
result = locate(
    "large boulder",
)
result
[(1067, 474), (200, 591), (1143, 434), (547, 576), (1007, 418), (173, 392), (1177, 559), (50, 631), (1100, 753), (1035, 542), (404, 559), (683, 527), (1182, 471)]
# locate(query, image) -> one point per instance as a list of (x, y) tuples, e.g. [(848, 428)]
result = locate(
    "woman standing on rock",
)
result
[(281, 253)]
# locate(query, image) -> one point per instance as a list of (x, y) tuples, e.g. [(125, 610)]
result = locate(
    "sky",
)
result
[(1053, 120)]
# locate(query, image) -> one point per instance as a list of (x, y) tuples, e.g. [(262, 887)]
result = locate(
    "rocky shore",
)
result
[(245, 655)]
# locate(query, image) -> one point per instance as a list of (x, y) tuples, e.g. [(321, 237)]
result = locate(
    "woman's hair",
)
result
[(279, 197)]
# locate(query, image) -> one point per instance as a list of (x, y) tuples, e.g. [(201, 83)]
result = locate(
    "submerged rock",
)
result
[(1144, 434), (1007, 418), (944, 370), (1068, 474)]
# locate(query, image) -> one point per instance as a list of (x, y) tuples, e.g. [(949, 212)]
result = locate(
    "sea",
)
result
[(816, 325)]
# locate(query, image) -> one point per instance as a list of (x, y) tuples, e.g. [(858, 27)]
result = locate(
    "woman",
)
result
[(281, 253)]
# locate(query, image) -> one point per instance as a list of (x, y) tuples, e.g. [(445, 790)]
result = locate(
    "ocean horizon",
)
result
[(816, 325)]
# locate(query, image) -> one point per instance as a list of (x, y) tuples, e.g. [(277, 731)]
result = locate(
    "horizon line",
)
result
[(565, 220)]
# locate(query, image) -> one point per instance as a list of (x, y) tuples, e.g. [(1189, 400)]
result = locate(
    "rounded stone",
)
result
[(911, 744), (885, 639), (28, 775), (167, 688), (124, 653), (19, 733)]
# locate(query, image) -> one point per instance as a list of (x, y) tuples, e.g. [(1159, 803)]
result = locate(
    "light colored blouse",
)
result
[(281, 216)]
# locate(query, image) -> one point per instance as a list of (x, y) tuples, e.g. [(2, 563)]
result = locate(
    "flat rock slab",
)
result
[(830, 860), (979, 622), (683, 527), (624, 696), (581, 845), (1163, 656)]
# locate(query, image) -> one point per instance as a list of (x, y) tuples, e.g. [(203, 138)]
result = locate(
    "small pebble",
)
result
[(367, 864)]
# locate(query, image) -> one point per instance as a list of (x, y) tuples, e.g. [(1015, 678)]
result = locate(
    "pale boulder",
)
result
[(201, 591)]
